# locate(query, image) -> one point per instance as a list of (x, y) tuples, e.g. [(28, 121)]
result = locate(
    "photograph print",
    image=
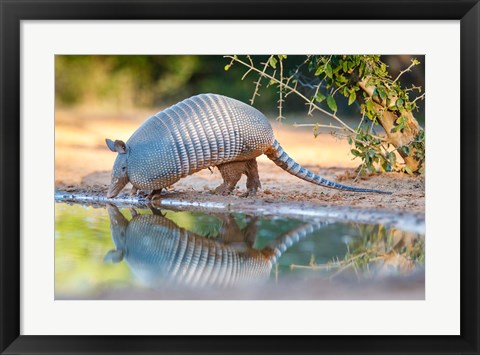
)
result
[(250, 177)]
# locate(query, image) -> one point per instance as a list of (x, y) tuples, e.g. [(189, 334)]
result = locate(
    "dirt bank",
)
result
[(281, 187)]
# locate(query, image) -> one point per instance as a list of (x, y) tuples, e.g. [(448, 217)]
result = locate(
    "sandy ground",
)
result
[(83, 163)]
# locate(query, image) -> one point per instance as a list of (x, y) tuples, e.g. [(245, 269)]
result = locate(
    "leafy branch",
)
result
[(361, 79)]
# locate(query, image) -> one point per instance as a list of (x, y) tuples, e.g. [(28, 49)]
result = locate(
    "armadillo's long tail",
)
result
[(281, 158), (279, 246)]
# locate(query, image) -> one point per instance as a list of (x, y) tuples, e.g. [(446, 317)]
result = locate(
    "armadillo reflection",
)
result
[(200, 132), (158, 251)]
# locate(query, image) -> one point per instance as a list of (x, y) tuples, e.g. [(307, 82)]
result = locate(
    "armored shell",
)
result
[(194, 134)]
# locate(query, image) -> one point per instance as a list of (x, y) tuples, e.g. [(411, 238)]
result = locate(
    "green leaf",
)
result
[(382, 93), (356, 153), (329, 70), (319, 70), (402, 120), (370, 105), (331, 103), (341, 79), (352, 97), (397, 128), (226, 67), (273, 62), (362, 68), (385, 165), (345, 66), (399, 103), (392, 159), (320, 97)]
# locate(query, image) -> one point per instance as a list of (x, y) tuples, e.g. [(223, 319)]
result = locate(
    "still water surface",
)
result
[(119, 253)]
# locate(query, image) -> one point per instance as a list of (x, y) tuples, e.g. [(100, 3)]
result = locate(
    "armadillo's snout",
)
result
[(116, 186)]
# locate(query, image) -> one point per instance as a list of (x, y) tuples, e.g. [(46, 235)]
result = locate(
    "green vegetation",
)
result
[(322, 81), (376, 251)]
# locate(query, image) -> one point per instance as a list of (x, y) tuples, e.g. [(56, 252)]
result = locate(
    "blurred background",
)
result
[(129, 82)]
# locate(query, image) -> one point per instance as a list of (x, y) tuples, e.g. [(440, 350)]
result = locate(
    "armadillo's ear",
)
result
[(120, 147), (110, 144), (114, 256)]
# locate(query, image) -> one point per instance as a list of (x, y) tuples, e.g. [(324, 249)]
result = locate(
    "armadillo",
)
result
[(200, 132), (158, 251)]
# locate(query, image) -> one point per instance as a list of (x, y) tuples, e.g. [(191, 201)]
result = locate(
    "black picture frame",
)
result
[(12, 12)]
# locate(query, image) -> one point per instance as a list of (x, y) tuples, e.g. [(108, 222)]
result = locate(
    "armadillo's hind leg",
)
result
[(231, 173), (253, 180)]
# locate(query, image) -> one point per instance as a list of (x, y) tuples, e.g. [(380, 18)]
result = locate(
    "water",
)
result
[(119, 253)]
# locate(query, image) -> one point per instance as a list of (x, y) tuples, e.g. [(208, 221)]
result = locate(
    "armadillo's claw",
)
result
[(141, 194), (154, 195), (133, 212), (224, 190), (156, 211), (249, 193)]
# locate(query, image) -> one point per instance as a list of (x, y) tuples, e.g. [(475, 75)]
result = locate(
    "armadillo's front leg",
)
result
[(136, 191), (133, 212), (133, 191), (253, 180), (155, 194), (231, 173)]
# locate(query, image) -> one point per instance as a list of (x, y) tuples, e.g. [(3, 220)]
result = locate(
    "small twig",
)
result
[(257, 84), (348, 263), (361, 121), (280, 91), (359, 172), (318, 126), (353, 138), (311, 267), (246, 73), (418, 88), (421, 97), (404, 71), (338, 88), (288, 87), (310, 106)]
